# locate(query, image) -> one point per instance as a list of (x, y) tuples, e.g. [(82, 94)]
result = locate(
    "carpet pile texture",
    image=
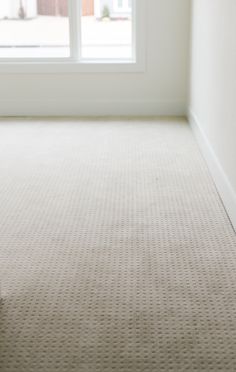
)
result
[(116, 252)]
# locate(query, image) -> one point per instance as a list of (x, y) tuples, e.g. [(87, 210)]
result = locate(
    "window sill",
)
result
[(68, 67)]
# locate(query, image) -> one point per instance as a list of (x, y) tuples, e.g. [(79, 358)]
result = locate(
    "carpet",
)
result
[(116, 252)]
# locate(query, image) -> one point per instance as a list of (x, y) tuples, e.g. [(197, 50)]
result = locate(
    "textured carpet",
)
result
[(116, 252)]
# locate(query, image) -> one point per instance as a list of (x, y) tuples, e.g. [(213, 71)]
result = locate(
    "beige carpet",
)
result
[(116, 252)]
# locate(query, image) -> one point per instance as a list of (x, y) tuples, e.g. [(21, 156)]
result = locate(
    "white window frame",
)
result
[(76, 64)]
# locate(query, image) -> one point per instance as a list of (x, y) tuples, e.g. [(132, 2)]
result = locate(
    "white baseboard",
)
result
[(74, 107), (224, 187)]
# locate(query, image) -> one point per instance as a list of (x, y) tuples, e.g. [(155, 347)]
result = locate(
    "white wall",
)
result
[(162, 89), (213, 91)]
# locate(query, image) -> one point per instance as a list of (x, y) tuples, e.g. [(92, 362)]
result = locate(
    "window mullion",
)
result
[(75, 29)]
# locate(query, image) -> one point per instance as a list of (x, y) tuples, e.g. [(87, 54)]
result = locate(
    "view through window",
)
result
[(43, 29), (107, 29), (34, 29)]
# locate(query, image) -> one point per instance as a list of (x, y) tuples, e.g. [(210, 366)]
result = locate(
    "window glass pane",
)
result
[(34, 28), (106, 29)]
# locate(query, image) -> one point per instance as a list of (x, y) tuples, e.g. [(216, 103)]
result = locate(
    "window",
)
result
[(76, 32), (122, 5), (34, 29), (108, 33)]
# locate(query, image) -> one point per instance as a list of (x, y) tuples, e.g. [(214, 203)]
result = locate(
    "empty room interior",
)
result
[(118, 185)]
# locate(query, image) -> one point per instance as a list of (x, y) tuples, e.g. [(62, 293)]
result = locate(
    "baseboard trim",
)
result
[(77, 107), (221, 180)]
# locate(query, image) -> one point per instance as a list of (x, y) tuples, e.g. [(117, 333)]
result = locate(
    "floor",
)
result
[(116, 252)]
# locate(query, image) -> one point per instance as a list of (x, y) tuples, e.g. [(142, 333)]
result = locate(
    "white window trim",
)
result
[(74, 63)]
